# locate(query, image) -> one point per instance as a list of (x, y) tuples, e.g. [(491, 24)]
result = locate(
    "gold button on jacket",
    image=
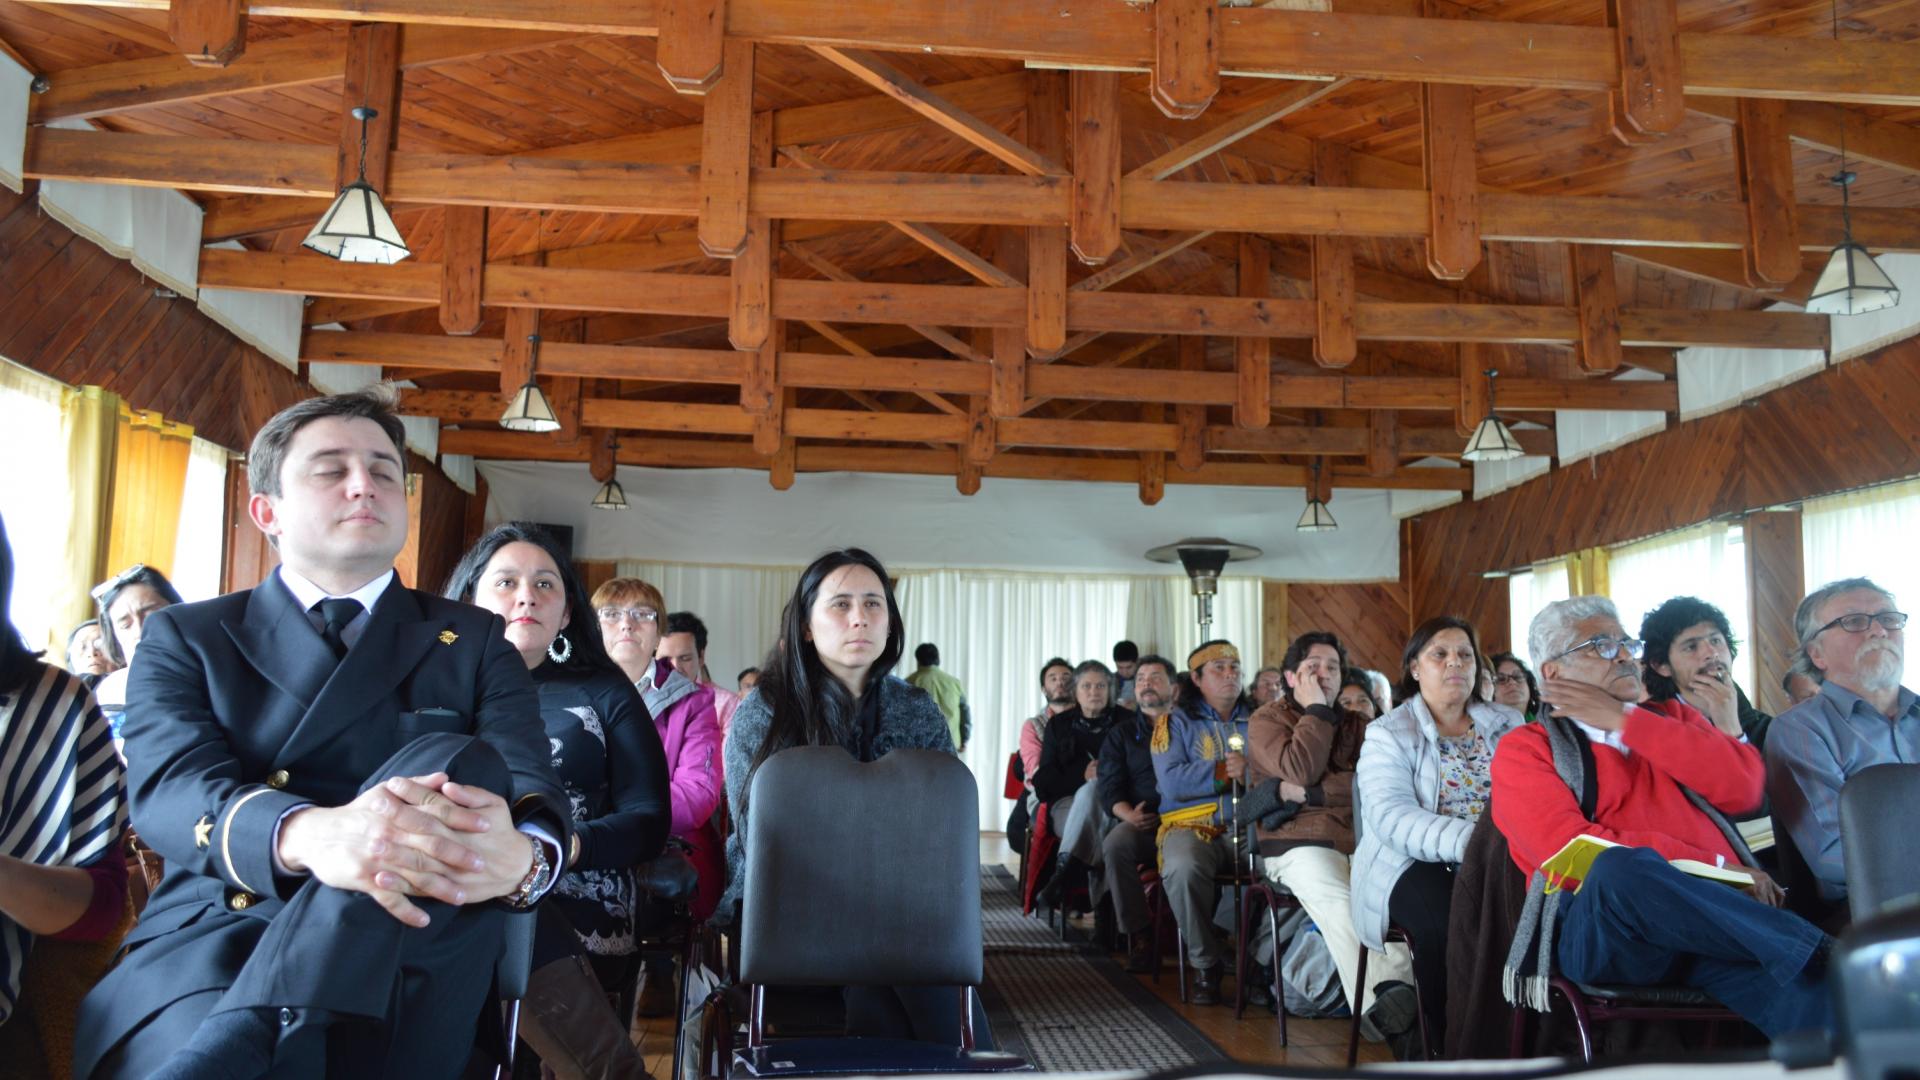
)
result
[(278, 779), (240, 901)]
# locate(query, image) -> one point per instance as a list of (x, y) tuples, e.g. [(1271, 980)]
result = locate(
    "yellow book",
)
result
[(1569, 866), (1758, 833)]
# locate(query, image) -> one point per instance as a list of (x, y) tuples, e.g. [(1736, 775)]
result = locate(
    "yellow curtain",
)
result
[(149, 479), (1587, 572), (90, 417)]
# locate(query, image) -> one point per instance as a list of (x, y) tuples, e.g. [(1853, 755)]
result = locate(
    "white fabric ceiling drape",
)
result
[(1707, 561), (1868, 534)]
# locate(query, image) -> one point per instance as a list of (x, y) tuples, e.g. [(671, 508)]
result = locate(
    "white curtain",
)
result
[(1528, 592), (1707, 561), (1866, 534), (994, 630), (740, 604), (203, 516), (35, 487), (1162, 617)]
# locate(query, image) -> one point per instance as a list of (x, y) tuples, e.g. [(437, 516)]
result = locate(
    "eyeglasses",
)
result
[(613, 616), (1858, 622), (131, 573), (1606, 648), (1509, 680)]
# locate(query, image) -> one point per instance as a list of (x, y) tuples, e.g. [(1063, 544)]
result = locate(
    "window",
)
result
[(1707, 561), (33, 502), (1528, 592), (1865, 534)]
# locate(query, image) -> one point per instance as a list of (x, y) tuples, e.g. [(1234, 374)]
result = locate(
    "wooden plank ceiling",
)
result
[(959, 260)]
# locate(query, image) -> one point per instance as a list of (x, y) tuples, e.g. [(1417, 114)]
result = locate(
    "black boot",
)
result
[(1206, 985), (566, 1019), (1140, 953)]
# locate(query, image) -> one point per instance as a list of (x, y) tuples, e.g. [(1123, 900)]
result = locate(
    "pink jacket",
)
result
[(690, 733)]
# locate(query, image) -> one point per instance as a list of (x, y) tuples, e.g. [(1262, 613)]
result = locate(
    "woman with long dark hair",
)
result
[(827, 683), (608, 756), (124, 601), (62, 809)]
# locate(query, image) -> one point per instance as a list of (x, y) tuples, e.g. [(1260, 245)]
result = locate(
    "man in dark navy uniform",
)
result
[(350, 785)]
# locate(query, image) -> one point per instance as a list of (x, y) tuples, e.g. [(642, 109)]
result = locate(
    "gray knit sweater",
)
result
[(909, 720)]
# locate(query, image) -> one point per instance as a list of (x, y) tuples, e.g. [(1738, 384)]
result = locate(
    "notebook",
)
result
[(1571, 864)]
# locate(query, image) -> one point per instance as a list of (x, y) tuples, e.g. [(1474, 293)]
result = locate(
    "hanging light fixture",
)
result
[(529, 410), (1316, 518), (611, 495), (357, 227), (1492, 440), (1852, 283)]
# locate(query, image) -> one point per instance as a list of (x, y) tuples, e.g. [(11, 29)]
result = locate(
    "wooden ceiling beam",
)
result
[(1181, 206), (720, 367), (210, 33), (1272, 41), (282, 63), (858, 426), (881, 74), (804, 125), (814, 457), (1268, 107), (937, 306), (1887, 143)]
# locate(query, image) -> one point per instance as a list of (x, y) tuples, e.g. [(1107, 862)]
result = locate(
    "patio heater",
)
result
[(1204, 558)]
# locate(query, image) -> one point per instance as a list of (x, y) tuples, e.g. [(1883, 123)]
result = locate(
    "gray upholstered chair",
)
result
[(1878, 840), (862, 875)]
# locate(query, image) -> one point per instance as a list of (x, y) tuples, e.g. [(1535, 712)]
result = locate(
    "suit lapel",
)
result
[(278, 641), (390, 646)]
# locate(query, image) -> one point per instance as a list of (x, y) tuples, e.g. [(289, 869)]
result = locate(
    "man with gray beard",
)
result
[(1852, 634)]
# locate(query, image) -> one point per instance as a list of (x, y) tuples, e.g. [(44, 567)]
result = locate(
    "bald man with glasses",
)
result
[(1853, 635)]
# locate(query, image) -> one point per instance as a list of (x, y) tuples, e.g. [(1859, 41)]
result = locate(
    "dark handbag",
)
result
[(1262, 805), (670, 876)]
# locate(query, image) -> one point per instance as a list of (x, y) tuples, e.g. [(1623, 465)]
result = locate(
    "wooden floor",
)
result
[(1251, 1040)]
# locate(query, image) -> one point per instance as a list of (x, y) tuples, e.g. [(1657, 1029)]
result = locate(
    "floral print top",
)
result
[(1466, 769)]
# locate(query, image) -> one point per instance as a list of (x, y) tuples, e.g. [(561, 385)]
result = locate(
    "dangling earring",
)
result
[(563, 646)]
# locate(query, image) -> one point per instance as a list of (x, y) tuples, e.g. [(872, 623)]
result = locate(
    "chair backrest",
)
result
[(1877, 837), (862, 874), (1016, 782)]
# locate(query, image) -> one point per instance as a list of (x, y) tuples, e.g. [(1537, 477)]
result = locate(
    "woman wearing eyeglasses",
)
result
[(1514, 685), (1423, 781), (124, 601), (632, 616), (607, 755)]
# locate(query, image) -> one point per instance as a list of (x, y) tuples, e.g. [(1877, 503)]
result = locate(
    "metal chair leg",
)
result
[(1279, 993), (505, 1069), (1353, 1027)]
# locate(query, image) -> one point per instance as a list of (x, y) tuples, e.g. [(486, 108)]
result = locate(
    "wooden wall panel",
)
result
[(1273, 627), (1371, 620), (1776, 580), (71, 310), (1846, 427), (441, 527)]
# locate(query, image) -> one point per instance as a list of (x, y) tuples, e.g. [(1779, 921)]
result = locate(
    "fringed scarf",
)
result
[(62, 793), (1530, 959)]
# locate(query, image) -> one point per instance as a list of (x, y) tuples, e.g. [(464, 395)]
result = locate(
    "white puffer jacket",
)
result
[(1397, 792)]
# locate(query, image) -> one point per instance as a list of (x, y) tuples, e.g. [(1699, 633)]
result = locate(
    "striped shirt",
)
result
[(63, 796)]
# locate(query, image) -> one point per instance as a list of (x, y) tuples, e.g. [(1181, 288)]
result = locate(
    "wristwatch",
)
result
[(539, 875)]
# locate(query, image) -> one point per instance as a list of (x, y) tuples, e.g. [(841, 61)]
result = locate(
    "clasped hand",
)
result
[(411, 836)]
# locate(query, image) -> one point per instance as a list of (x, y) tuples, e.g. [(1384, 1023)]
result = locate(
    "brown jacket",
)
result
[(1317, 749)]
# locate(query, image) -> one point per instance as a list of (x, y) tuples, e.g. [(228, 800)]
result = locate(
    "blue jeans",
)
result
[(1637, 921)]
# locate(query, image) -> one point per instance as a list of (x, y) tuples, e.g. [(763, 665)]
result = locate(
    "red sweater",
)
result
[(1639, 802)]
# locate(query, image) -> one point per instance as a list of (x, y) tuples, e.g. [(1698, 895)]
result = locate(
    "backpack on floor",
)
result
[(1309, 981)]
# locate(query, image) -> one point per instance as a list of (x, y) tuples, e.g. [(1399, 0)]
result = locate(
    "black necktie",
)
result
[(337, 613)]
